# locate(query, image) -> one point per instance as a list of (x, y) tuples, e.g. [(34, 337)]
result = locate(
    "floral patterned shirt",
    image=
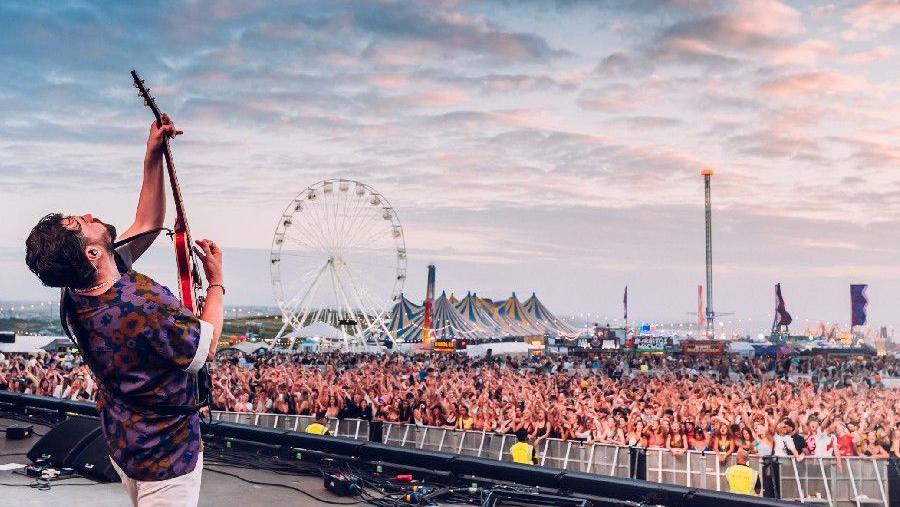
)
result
[(145, 347)]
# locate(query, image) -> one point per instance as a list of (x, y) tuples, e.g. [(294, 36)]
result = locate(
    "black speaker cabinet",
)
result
[(65, 440), (93, 461)]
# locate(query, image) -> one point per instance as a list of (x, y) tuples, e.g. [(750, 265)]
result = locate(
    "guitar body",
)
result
[(186, 289)]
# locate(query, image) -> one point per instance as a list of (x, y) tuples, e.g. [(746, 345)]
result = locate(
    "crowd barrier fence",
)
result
[(859, 481), (356, 429)]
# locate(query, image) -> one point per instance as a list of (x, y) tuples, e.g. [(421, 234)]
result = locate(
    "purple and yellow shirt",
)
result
[(146, 346)]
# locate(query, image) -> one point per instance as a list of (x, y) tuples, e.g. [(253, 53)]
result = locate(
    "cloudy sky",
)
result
[(526, 145)]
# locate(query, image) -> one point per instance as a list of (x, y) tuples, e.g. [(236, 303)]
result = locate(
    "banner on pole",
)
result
[(782, 317), (858, 304)]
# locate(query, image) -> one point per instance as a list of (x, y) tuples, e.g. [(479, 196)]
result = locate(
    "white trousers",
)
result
[(181, 491)]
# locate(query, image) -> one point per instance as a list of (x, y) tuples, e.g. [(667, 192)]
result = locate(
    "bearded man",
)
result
[(143, 346)]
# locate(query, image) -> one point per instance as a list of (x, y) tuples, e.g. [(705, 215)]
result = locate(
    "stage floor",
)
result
[(216, 490)]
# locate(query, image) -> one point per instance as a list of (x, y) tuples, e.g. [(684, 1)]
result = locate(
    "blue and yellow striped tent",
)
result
[(517, 320), (406, 321), (447, 323), (475, 310), (545, 318)]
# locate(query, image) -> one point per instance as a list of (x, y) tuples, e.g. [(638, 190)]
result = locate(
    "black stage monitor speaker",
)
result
[(65, 440), (7, 337), (93, 461)]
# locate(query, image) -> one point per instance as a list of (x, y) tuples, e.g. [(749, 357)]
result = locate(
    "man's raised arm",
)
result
[(151, 207)]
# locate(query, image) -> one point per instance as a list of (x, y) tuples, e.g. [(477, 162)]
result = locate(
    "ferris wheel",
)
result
[(339, 257)]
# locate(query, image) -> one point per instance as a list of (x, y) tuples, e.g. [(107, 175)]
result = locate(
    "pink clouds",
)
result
[(620, 96), (873, 16), (810, 83), (749, 24), (389, 81), (432, 98), (764, 18), (872, 55), (805, 52)]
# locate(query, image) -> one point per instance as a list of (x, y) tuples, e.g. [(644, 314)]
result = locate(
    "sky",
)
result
[(529, 146)]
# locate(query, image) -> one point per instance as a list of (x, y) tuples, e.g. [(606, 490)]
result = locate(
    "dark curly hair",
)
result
[(56, 254)]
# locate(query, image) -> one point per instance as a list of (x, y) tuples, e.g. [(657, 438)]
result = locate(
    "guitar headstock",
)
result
[(144, 93)]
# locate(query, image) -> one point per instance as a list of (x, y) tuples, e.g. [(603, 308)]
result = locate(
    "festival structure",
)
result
[(516, 319), (449, 324), (473, 319), (545, 318), (477, 312), (406, 321)]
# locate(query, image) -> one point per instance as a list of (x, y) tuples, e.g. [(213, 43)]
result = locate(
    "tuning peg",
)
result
[(134, 84), (146, 103)]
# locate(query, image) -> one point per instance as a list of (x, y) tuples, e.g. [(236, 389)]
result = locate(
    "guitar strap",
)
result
[(66, 320)]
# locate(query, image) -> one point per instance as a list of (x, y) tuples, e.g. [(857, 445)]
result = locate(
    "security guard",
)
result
[(743, 479), (522, 451), (318, 427)]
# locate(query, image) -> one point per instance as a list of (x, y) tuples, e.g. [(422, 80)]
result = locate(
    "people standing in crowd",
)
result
[(678, 406)]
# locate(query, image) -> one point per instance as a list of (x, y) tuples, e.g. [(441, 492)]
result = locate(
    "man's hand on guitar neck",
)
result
[(151, 208), (158, 133)]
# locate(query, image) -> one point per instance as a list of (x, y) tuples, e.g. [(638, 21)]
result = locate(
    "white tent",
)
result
[(321, 331), (498, 349), (28, 343), (744, 349), (250, 347)]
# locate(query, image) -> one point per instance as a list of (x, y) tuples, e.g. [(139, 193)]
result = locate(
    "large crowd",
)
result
[(769, 406)]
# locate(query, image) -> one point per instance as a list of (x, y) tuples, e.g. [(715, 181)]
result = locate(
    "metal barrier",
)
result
[(858, 482), (356, 429)]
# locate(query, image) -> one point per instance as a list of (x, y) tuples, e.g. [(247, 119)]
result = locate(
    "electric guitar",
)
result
[(190, 285)]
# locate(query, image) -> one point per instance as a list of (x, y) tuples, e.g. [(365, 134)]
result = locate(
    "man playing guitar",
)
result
[(143, 345)]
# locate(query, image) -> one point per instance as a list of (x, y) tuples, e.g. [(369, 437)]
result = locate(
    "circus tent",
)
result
[(477, 312), (406, 320), (544, 317), (516, 318), (447, 323), (474, 318)]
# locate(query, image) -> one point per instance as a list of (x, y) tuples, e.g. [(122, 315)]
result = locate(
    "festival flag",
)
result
[(858, 304), (625, 304), (782, 317)]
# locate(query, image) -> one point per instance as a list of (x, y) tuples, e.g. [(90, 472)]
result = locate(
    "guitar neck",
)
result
[(190, 282), (180, 219)]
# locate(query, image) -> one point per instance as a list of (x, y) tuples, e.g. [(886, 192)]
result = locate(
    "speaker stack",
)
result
[(76, 443)]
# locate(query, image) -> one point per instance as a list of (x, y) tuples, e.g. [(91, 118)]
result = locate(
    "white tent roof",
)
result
[(27, 343), (497, 349), (250, 347), (319, 329)]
